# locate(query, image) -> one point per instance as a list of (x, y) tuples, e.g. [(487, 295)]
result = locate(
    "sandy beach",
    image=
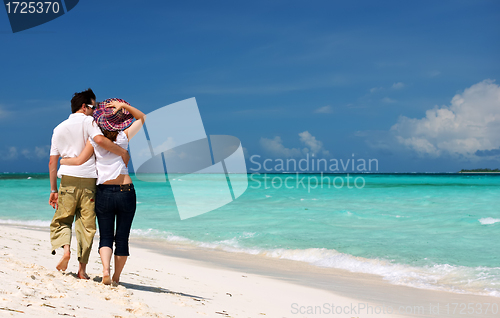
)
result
[(165, 280)]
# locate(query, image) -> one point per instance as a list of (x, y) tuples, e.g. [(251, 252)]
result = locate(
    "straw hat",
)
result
[(105, 118)]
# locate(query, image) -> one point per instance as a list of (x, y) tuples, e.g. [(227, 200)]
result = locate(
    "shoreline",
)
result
[(298, 272), (197, 278), (233, 258)]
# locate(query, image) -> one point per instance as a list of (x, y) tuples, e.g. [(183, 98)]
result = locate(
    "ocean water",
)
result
[(433, 231)]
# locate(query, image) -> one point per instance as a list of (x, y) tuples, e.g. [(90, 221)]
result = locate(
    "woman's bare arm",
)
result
[(138, 115), (135, 127), (82, 158)]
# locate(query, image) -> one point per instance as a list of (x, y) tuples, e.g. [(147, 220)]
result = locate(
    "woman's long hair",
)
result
[(111, 135)]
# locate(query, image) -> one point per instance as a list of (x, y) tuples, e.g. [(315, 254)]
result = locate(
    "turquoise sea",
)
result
[(433, 231)]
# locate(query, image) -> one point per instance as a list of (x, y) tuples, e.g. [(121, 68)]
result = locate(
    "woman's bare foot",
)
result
[(119, 264), (63, 263), (106, 280)]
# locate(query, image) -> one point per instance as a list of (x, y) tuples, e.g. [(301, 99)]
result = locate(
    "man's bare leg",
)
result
[(106, 253), (82, 274), (119, 264), (63, 263)]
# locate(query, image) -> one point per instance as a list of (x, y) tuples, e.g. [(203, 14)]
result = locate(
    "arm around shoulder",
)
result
[(112, 147), (82, 157)]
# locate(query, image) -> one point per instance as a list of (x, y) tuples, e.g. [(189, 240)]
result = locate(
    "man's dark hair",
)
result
[(78, 99)]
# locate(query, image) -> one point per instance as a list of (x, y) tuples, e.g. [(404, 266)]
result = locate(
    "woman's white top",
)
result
[(109, 166)]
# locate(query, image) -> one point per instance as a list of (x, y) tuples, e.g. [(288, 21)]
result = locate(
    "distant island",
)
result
[(485, 170)]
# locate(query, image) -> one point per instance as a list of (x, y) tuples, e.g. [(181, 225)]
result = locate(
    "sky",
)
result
[(412, 84)]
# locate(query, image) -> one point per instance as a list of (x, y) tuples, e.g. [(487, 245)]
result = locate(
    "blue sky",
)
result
[(375, 79)]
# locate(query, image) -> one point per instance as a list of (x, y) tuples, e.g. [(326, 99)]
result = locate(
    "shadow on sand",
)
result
[(152, 289)]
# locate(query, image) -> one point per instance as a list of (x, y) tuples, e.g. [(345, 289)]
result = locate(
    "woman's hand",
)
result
[(64, 160), (67, 160), (116, 105)]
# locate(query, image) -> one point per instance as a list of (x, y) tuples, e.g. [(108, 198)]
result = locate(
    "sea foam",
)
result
[(490, 220), (444, 277), (36, 223)]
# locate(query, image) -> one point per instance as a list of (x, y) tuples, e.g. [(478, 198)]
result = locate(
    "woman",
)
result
[(115, 196)]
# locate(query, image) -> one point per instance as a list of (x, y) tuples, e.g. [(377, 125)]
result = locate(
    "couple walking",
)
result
[(93, 144)]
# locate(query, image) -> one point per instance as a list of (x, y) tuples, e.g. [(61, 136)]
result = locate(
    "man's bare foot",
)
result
[(116, 280), (63, 263), (82, 272), (83, 275)]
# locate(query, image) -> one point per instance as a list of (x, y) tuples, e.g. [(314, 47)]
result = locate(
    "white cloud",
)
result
[(166, 145), (324, 110), (10, 154), (398, 85), (13, 153), (3, 113), (388, 100), (315, 146), (469, 124), (26, 153), (42, 152), (275, 146)]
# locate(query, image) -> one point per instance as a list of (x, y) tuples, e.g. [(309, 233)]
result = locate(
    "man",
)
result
[(75, 198)]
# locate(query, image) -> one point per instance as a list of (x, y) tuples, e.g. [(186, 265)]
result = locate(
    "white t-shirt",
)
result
[(110, 166), (69, 139)]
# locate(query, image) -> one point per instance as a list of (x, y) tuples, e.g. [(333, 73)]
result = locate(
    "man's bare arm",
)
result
[(53, 181), (112, 147)]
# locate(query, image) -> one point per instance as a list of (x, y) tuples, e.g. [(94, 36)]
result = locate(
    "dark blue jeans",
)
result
[(115, 202)]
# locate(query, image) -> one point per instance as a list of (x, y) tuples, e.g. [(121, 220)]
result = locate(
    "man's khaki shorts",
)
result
[(75, 202)]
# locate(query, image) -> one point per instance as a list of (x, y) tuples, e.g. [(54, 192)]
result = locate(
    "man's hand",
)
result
[(53, 180), (112, 147), (53, 200)]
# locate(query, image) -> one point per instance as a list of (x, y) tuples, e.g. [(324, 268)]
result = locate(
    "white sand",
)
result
[(159, 285)]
